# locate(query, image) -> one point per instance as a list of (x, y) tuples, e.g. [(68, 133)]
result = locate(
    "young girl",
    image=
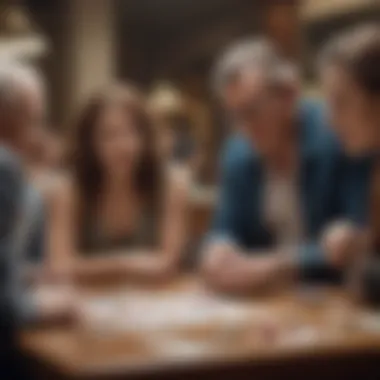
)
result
[(119, 213)]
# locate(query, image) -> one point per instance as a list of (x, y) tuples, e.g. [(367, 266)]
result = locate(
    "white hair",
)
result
[(16, 77), (248, 53)]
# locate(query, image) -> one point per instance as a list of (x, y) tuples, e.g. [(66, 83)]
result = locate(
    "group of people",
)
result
[(299, 189), (299, 195)]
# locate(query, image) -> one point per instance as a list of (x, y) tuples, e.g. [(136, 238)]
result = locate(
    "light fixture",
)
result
[(19, 38), (165, 98)]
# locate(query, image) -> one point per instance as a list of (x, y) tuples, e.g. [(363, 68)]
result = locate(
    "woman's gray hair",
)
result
[(16, 77), (256, 53)]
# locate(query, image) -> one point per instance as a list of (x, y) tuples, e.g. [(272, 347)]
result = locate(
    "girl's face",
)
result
[(354, 114), (118, 143)]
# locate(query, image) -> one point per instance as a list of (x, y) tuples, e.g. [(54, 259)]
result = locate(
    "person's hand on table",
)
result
[(343, 243), (267, 270), (148, 266), (227, 269), (216, 257), (55, 302), (223, 268)]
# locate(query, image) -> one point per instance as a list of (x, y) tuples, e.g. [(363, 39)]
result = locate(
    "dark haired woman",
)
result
[(350, 68), (120, 213)]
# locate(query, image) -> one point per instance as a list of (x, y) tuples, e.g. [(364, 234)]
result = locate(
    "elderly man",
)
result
[(21, 230), (280, 180)]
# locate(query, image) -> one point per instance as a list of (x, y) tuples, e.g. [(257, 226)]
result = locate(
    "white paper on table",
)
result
[(140, 310), (369, 321)]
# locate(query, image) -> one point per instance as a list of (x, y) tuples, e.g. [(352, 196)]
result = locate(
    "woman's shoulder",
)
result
[(178, 176), (178, 181), (61, 188)]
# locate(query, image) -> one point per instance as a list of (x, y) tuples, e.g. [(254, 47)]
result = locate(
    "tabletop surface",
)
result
[(140, 328)]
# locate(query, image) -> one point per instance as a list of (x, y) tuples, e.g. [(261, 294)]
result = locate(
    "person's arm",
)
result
[(323, 258), (61, 232), (66, 260), (222, 243), (233, 270), (227, 268), (10, 198), (163, 260), (18, 305), (346, 235), (173, 235)]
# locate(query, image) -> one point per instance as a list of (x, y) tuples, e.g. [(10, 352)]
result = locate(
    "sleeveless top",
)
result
[(94, 240)]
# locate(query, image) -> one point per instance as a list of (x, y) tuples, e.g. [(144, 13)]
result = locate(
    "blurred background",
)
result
[(167, 46)]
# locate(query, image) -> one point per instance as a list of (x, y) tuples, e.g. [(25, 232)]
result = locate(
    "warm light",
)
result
[(18, 37), (166, 99)]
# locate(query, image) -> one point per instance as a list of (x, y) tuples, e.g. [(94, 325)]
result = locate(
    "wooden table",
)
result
[(285, 335)]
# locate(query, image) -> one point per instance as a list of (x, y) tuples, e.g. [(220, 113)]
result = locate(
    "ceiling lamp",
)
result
[(19, 38)]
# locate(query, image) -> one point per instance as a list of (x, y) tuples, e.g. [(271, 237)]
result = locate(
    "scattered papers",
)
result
[(370, 321), (135, 311)]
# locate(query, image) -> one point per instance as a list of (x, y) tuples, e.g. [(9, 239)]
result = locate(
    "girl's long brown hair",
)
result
[(86, 168)]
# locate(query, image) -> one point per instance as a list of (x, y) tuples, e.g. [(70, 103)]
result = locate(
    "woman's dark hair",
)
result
[(358, 52), (84, 163)]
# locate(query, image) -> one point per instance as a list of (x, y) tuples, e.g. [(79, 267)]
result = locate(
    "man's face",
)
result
[(354, 116), (262, 113)]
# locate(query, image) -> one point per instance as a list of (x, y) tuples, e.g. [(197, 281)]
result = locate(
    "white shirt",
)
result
[(282, 210)]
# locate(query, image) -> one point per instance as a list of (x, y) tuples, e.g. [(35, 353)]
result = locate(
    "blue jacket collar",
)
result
[(309, 116)]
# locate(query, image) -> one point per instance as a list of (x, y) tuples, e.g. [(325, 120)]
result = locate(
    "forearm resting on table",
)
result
[(343, 243), (258, 274), (340, 245), (139, 264), (50, 303), (226, 268)]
